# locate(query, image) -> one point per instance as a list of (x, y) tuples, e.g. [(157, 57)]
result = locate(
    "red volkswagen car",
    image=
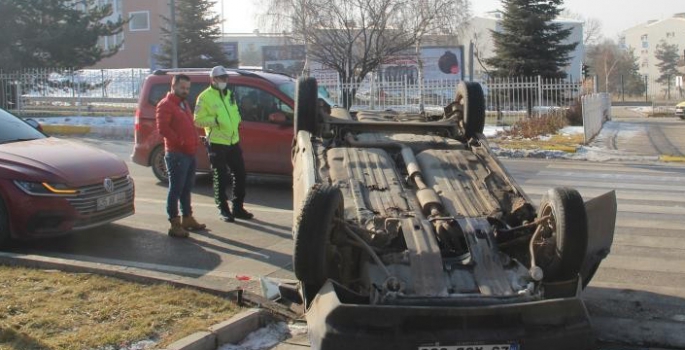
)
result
[(266, 102), (50, 186)]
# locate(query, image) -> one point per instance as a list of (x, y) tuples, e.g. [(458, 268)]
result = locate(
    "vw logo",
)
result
[(109, 185)]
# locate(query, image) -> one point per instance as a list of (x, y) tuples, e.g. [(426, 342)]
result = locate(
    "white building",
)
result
[(644, 38), (479, 33)]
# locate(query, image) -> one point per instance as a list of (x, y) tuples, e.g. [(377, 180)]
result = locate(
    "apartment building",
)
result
[(141, 36), (645, 38)]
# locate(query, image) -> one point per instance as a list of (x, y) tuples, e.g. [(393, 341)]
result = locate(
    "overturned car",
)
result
[(410, 234)]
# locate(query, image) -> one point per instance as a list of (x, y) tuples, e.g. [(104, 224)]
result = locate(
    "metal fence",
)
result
[(63, 91), (507, 99)]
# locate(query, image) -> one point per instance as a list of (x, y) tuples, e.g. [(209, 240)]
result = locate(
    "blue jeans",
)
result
[(181, 168)]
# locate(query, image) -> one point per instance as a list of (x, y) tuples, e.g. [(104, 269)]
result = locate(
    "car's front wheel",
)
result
[(158, 164), (5, 235), (472, 100)]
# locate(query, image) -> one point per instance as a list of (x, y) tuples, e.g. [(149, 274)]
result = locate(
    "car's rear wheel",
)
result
[(316, 258), (306, 105), (159, 164), (560, 250), (472, 100), (5, 235)]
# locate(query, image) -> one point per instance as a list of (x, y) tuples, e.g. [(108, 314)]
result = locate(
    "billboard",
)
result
[(287, 59), (439, 63), (230, 49)]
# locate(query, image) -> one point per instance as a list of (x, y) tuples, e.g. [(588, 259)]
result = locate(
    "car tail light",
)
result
[(137, 120)]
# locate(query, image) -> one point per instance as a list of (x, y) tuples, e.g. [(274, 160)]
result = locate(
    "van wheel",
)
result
[(472, 101), (158, 164), (5, 235), (306, 105), (560, 251)]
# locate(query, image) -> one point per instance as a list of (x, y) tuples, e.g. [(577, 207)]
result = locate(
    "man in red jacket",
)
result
[(181, 140)]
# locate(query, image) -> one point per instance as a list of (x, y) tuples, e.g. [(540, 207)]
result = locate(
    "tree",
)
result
[(592, 27), (616, 67), (198, 31), (530, 44), (354, 37), (668, 57), (49, 33)]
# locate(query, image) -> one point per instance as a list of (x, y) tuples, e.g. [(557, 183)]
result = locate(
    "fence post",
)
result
[(133, 83), (102, 83), (646, 90)]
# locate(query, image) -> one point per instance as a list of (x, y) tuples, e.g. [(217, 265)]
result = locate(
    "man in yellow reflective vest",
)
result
[(216, 111)]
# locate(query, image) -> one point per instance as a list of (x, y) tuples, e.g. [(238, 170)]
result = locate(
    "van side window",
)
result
[(158, 91)]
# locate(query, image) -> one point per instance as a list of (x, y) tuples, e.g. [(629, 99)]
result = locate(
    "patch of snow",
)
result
[(545, 137), (491, 130), (529, 153), (599, 154), (267, 337), (90, 121), (572, 130), (140, 345)]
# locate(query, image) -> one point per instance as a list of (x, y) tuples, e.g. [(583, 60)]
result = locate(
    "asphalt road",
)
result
[(642, 280)]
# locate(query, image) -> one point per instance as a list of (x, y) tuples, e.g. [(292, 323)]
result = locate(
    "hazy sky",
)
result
[(616, 15)]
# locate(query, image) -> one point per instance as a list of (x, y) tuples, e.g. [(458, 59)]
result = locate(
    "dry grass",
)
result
[(55, 310), (566, 143), (537, 126)]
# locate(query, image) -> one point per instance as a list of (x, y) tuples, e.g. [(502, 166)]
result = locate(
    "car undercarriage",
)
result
[(407, 225)]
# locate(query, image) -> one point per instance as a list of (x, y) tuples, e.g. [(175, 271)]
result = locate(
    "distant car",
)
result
[(680, 110), (50, 186), (266, 133)]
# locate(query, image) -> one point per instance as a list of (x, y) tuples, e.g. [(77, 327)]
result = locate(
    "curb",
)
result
[(671, 159), (566, 149), (232, 331), (102, 130)]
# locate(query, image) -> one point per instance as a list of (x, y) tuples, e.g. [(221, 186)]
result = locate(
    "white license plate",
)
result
[(472, 347), (115, 199)]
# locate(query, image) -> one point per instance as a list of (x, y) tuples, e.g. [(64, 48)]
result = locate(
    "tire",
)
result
[(470, 96), (158, 164), (5, 234), (562, 255), (314, 258), (306, 105)]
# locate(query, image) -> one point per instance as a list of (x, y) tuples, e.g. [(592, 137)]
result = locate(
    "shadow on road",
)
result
[(123, 245)]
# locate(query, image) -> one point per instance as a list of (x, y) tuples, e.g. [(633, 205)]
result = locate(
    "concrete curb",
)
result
[(101, 130), (671, 159), (566, 149), (229, 332)]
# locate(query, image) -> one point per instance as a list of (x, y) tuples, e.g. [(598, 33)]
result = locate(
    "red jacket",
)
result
[(175, 123)]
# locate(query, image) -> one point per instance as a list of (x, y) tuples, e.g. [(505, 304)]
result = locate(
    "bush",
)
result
[(574, 115), (548, 124)]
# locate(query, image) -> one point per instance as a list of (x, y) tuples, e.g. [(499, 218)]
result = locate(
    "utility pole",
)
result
[(174, 34)]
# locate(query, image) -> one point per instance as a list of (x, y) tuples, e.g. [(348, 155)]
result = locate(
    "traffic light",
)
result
[(586, 70)]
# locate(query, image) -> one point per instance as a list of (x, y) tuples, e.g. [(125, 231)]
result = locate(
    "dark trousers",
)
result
[(181, 168), (227, 161)]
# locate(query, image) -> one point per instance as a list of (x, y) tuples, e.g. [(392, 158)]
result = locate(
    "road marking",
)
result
[(207, 205)]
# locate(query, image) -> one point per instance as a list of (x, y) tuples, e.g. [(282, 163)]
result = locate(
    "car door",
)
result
[(266, 145)]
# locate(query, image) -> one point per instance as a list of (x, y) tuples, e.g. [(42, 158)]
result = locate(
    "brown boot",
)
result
[(177, 230), (189, 223)]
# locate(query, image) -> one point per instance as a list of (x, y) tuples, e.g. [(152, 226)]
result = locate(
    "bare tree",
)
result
[(592, 27), (354, 37)]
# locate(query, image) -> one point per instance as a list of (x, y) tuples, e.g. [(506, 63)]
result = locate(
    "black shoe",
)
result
[(226, 216), (241, 213)]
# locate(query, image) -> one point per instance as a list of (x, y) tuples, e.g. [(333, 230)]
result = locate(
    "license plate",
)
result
[(472, 347), (115, 199)]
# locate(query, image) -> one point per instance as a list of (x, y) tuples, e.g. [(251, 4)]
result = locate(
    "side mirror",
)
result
[(278, 118), (34, 124)]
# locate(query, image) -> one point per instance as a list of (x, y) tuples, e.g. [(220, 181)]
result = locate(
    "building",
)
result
[(478, 32), (645, 38), (141, 36)]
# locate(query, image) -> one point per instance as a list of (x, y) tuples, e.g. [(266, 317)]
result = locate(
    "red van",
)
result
[(266, 102)]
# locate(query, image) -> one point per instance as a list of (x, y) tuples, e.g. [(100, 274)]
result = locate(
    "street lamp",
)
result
[(174, 34)]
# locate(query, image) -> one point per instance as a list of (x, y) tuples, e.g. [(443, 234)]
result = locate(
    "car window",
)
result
[(15, 129), (289, 89), (256, 104), (158, 91)]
